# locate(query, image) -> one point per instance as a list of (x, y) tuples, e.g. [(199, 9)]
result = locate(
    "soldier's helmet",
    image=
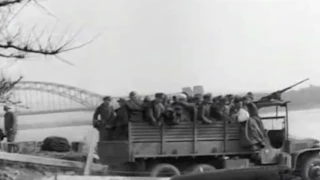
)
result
[(147, 99), (250, 95), (133, 94), (182, 97), (158, 95), (197, 97), (207, 96), (121, 100), (6, 107), (223, 100), (106, 98), (229, 96), (238, 99)]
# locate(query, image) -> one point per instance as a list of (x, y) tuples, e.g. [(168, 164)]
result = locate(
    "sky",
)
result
[(163, 45)]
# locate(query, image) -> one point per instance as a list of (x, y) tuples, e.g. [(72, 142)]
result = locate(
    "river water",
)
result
[(76, 126)]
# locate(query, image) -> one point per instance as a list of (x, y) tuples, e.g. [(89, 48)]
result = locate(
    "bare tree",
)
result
[(18, 46)]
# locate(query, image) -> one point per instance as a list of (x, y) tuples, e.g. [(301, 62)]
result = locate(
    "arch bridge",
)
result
[(46, 98)]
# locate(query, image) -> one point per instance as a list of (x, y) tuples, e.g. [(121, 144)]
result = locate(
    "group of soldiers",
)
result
[(169, 110)]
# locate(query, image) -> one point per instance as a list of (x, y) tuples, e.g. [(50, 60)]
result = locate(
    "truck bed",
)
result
[(183, 140)]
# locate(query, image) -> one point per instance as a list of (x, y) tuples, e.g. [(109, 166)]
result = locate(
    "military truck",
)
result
[(192, 147)]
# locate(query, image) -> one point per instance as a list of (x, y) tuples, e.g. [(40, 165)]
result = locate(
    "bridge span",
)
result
[(47, 98)]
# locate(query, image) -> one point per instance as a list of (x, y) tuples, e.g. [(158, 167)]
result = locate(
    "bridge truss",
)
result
[(46, 98)]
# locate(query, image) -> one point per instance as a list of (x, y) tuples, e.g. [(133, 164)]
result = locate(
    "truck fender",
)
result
[(299, 154)]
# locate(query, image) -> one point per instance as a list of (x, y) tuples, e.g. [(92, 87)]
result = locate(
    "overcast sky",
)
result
[(164, 45)]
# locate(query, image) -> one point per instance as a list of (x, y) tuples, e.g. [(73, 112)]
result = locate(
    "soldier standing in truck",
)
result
[(121, 121), (205, 110), (254, 114), (197, 100), (135, 107), (250, 96), (251, 107), (224, 108), (165, 100), (181, 110), (215, 109), (156, 110), (251, 133), (105, 123), (10, 126)]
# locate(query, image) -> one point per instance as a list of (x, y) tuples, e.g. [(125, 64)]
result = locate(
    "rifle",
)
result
[(277, 94)]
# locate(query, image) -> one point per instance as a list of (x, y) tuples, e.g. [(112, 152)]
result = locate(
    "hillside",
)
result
[(304, 98)]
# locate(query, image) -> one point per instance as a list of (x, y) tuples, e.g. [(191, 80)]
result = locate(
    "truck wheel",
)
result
[(261, 173), (310, 168), (200, 168), (164, 170)]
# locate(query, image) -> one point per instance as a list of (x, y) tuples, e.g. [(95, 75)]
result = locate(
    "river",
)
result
[(75, 126)]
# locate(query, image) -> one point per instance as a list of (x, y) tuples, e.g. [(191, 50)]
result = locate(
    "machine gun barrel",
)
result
[(290, 87), (277, 95)]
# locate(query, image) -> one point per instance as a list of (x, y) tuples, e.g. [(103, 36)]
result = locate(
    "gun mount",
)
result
[(277, 94)]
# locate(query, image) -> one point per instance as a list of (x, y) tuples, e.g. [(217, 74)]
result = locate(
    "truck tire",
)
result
[(200, 168), (164, 170), (261, 173), (310, 168)]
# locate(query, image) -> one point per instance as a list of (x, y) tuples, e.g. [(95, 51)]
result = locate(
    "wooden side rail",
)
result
[(273, 117)]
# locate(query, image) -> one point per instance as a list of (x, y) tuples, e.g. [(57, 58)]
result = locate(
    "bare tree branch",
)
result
[(17, 44), (44, 9), (5, 90), (9, 2), (15, 56)]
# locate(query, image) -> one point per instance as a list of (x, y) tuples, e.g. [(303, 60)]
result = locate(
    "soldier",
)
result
[(197, 100), (107, 115), (205, 110), (218, 99), (230, 104), (224, 108), (10, 126), (180, 110), (254, 113), (156, 110), (147, 99), (121, 121), (146, 105), (215, 100), (233, 109), (215, 109), (165, 100), (230, 99), (135, 107), (250, 96), (251, 106), (251, 133), (174, 99), (188, 97)]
